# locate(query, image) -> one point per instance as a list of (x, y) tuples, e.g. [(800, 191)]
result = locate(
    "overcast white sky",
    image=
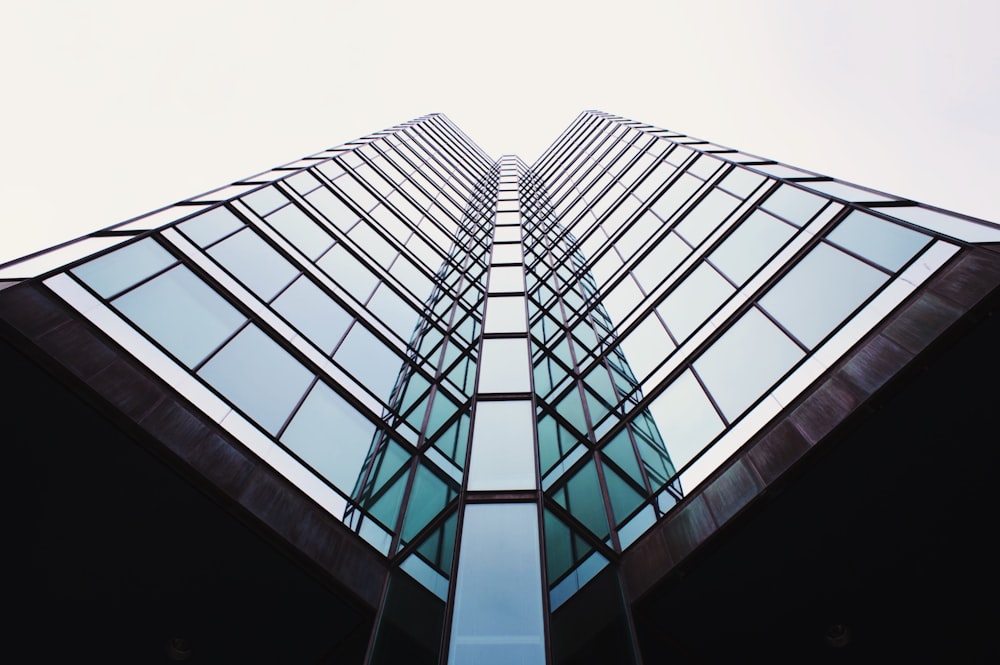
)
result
[(112, 108)]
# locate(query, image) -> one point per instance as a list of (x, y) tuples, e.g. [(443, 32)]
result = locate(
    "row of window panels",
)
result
[(410, 200), (599, 148), (201, 329), (573, 141), (808, 302), (222, 235), (429, 147)]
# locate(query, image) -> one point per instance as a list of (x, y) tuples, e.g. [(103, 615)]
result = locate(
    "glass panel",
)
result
[(749, 247), (819, 292), (315, 314), (503, 447), (691, 302), (661, 261), (582, 497), (301, 231), (254, 262), (706, 216), (429, 495), (123, 267), (348, 272), (646, 346), (885, 243), (507, 253), (394, 312), (685, 417), (506, 278), (265, 200), (205, 229), (330, 436), (504, 366), (373, 364), (498, 617), (258, 376), (505, 314), (745, 361), (796, 205), (182, 313)]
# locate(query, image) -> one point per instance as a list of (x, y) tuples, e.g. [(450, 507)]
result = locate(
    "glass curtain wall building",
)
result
[(501, 391)]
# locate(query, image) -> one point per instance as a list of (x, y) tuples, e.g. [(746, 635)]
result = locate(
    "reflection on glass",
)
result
[(258, 376), (505, 314), (182, 313), (315, 314), (506, 278), (706, 216), (254, 262), (819, 292), (330, 436), (503, 449), (120, 269), (685, 418), (661, 261), (348, 272), (750, 245), (372, 363), (301, 231), (694, 298), (745, 361), (504, 366), (205, 229), (498, 617), (794, 204), (885, 243)]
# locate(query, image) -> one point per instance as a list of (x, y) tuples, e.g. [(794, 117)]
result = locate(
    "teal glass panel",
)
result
[(254, 262), (563, 548), (883, 242), (498, 614), (570, 407), (750, 246), (315, 314), (205, 229), (258, 376), (581, 495), (120, 269), (554, 442), (623, 496), (760, 353), (821, 291), (454, 441), (619, 450), (373, 364), (429, 495), (330, 436), (182, 313), (438, 548)]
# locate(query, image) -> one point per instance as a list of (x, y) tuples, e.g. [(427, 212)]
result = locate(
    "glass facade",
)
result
[(501, 376)]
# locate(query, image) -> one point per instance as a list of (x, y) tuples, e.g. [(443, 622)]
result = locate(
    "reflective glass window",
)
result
[(745, 361), (330, 206), (499, 560), (507, 253), (646, 346), (373, 364), (330, 436), (885, 243), (750, 245), (686, 419), (301, 231), (793, 204), (693, 300), (348, 272), (706, 216), (661, 261), (505, 314), (503, 448), (120, 269), (506, 278), (258, 376), (820, 291), (182, 313), (504, 366), (315, 314), (265, 200), (394, 312), (205, 229), (254, 262)]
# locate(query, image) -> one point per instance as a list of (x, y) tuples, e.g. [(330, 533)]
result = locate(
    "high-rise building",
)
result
[(650, 399)]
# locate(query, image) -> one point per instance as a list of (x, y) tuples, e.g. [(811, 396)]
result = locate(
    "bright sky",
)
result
[(112, 108)]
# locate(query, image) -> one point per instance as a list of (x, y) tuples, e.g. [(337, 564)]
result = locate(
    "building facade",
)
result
[(400, 401)]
